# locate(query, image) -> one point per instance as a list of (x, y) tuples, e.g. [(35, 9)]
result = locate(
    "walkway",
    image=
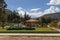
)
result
[(54, 28), (28, 37)]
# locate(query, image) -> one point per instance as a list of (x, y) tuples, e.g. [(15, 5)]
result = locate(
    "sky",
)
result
[(35, 8)]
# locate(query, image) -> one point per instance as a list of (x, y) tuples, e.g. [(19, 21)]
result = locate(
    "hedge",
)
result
[(21, 28)]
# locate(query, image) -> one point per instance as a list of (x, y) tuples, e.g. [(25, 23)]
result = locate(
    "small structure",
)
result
[(31, 23)]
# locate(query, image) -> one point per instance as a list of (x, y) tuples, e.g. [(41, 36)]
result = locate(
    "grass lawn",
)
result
[(27, 31), (37, 30), (44, 29), (1, 29)]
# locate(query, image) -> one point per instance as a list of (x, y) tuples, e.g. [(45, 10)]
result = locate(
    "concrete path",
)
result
[(32, 34), (28, 37), (54, 28)]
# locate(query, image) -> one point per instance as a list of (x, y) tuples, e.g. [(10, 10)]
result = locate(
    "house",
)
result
[(31, 23)]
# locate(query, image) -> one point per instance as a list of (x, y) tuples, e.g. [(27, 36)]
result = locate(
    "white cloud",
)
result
[(35, 14), (52, 9), (32, 14), (35, 9), (54, 2), (21, 10)]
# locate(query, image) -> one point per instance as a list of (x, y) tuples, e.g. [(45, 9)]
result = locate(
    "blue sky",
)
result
[(28, 5)]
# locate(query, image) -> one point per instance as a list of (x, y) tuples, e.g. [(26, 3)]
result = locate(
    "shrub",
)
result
[(20, 28)]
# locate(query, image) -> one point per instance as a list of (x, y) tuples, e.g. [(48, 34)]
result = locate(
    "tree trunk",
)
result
[(3, 24)]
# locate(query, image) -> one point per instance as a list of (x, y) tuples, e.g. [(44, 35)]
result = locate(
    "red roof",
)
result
[(32, 20)]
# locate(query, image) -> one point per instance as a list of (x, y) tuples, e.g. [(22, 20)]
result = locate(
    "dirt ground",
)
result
[(17, 37)]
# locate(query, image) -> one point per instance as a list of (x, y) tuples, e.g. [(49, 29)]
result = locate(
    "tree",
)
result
[(42, 21), (26, 17), (13, 17), (46, 20), (3, 17)]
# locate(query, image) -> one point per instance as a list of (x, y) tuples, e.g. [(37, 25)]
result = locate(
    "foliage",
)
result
[(20, 28), (46, 20), (3, 17), (26, 17), (16, 18), (37, 30), (54, 24), (13, 17)]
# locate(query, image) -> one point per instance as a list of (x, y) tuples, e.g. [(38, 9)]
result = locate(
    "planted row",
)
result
[(21, 28)]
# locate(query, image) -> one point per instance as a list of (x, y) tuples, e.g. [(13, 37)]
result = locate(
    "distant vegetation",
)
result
[(13, 17), (55, 24), (51, 18)]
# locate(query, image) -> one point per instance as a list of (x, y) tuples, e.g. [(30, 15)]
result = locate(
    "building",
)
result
[(31, 23)]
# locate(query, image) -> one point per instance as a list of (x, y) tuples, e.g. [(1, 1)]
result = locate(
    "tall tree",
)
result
[(3, 17), (26, 17), (46, 20), (13, 17)]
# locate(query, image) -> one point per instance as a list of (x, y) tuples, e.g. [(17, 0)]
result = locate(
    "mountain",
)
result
[(53, 15)]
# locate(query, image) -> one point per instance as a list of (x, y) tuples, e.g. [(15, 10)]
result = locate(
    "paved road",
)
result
[(18, 37), (26, 36)]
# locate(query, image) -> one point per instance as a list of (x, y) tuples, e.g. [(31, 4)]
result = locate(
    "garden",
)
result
[(17, 29)]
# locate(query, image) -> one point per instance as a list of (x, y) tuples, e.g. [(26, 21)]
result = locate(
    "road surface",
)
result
[(26, 36), (38, 34)]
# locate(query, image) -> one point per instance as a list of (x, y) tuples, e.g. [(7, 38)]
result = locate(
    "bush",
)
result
[(29, 28), (20, 28)]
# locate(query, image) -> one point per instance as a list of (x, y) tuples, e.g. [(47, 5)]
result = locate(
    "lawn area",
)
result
[(44, 29), (37, 30), (27, 31), (3, 29)]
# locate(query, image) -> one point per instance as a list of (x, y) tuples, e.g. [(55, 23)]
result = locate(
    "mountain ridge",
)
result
[(53, 15)]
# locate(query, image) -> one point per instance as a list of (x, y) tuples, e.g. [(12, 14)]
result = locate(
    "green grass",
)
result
[(37, 30), (44, 29), (3, 29), (27, 31)]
